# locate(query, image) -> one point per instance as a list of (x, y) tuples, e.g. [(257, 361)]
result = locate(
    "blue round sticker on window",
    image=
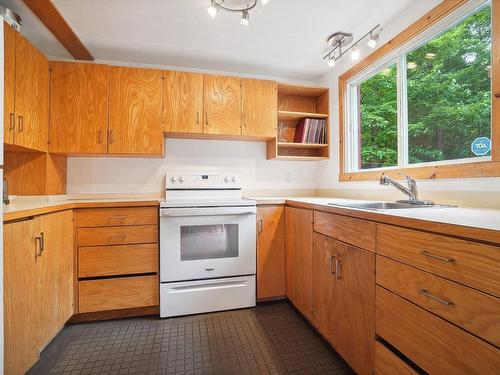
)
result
[(481, 146)]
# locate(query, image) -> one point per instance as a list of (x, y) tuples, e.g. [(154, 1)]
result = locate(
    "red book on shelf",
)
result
[(299, 131)]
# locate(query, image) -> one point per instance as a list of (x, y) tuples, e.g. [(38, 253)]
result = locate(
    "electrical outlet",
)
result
[(288, 177)]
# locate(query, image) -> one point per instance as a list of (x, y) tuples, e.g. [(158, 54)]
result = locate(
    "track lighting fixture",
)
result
[(372, 42), (235, 6), (331, 61), (245, 18), (355, 52)]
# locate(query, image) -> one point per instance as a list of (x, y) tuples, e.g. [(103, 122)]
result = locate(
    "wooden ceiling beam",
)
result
[(46, 11)]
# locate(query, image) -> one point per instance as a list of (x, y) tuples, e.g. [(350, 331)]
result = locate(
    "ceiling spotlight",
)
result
[(245, 18), (355, 52), (212, 9), (372, 42), (264, 2), (331, 61)]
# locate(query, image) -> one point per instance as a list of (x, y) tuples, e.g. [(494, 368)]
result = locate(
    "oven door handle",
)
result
[(208, 211)]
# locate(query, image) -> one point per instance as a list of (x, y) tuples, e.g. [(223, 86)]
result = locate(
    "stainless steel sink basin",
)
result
[(382, 206)]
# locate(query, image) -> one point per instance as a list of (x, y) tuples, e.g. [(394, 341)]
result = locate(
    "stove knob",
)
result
[(181, 179), (226, 179), (173, 179), (233, 179)]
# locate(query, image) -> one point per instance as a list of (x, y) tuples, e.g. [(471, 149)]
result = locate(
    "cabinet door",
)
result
[(324, 285), (260, 106), (56, 281), (354, 307), (290, 214), (78, 108), (31, 96), (222, 102), (270, 252), (183, 102), (21, 297), (135, 103), (9, 117)]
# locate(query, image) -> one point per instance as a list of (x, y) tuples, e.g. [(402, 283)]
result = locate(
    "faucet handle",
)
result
[(408, 179)]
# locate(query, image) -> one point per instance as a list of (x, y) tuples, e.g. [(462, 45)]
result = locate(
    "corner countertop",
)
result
[(23, 207), (480, 224)]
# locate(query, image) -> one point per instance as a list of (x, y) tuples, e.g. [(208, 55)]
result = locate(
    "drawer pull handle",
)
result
[(117, 218), (438, 257), (429, 295)]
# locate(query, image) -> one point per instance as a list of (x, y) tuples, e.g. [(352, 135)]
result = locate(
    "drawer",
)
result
[(119, 293), (117, 260), (435, 345), (465, 262), (353, 231), (103, 217), (468, 308), (117, 235), (388, 363)]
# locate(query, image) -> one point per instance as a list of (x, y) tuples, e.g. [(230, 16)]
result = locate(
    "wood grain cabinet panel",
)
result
[(260, 108), (98, 261), (473, 264), (78, 108), (429, 341), (135, 111), (183, 102), (354, 231), (222, 104), (290, 253), (31, 96), (475, 311), (118, 293), (101, 236), (120, 216), (9, 82), (388, 363), (21, 297), (270, 251)]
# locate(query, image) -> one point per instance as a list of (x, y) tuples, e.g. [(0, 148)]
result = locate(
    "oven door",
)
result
[(207, 242)]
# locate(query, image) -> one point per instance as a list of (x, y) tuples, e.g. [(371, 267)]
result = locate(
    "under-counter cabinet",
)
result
[(78, 108), (299, 258), (26, 93), (117, 259), (135, 111), (38, 285), (270, 252)]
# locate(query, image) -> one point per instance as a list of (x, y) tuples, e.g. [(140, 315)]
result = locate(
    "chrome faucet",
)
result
[(411, 191)]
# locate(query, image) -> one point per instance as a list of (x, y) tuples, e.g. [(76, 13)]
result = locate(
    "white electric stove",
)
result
[(207, 245)]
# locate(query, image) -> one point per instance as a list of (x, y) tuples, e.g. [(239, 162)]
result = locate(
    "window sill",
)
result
[(442, 171)]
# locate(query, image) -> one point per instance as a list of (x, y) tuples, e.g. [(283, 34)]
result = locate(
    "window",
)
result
[(426, 102)]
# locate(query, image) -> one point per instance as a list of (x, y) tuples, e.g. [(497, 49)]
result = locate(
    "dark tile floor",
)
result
[(268, 339)]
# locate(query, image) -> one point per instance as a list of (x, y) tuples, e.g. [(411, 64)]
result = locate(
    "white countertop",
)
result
[(465, 216)]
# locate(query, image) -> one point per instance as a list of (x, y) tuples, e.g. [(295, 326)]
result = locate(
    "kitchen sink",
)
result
[(382, 206)]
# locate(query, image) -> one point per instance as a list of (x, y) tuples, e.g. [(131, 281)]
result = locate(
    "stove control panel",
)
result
[(202, 181)]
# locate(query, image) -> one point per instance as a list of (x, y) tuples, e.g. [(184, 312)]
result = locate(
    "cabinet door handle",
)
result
[(261, 225), (332, 258), (206, 118), (41, 244), (197, 117), (111, 137), (12, 121), (337, 269), (99, 137), (433, 297), (437, 257), (20, 124)]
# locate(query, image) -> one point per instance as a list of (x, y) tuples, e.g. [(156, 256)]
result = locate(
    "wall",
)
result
[(101, 175), (477, 192)]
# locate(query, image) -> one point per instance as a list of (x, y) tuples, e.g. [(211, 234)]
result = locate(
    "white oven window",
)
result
[(209, 241)]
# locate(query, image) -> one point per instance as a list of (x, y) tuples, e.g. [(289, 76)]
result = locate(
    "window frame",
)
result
[(437, 21)]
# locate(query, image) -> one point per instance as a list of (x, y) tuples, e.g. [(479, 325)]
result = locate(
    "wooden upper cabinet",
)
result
[(222, 102), (78, 108), (9, 35), (31, 96), (260, 106), (135, 111), (183, 102)]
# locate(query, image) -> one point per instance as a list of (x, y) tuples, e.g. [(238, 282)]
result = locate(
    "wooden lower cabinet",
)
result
[(38, 285), (299, 258), (344, 300), (270, 251), (388, 363)]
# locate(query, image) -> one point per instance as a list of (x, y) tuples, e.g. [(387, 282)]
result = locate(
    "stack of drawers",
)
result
[(117, 258), (437, 302)]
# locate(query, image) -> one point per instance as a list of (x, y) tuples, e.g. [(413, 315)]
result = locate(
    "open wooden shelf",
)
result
[(290, 115), (301, 158), (301, 145)]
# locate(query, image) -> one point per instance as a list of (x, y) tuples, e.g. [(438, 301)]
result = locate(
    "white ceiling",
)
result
[(285, 38)]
